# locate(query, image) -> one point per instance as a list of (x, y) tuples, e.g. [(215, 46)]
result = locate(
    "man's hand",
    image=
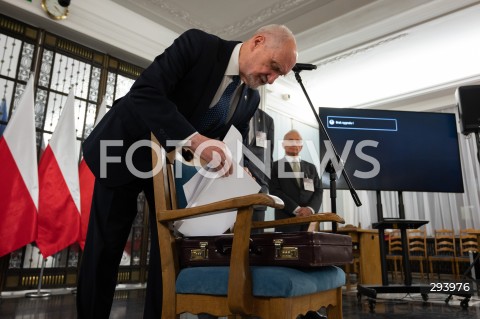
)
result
[(304, 211), (249, 173), (213, 152)]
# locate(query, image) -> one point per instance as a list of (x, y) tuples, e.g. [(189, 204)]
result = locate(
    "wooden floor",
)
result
[(128, 304)]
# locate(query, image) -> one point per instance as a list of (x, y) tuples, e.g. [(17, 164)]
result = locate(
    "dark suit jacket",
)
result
[(289, 191), (261, 122), (167, 99)]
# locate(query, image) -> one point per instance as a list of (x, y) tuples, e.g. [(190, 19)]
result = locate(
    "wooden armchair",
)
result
[(238, 290), (354, 266)]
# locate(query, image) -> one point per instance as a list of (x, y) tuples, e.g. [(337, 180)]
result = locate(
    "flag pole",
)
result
[(39, 293)]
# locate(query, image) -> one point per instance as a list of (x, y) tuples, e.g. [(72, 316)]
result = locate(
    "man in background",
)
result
[(296, 182)]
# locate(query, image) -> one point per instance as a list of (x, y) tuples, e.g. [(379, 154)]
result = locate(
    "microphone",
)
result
[(304, 66)]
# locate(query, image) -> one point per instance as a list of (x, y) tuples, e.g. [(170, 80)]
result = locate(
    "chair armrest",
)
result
[(320, 217), (220, 206)]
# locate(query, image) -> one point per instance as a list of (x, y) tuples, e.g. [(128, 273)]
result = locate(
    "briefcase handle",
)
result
[(223, 245)]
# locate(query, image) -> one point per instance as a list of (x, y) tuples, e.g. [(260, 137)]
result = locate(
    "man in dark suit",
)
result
[(260, 143), (300, 189), (190, 95)]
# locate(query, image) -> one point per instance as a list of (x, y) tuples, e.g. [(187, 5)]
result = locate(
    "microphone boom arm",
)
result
[(354, 194)]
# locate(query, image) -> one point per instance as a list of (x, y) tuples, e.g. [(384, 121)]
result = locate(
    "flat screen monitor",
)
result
[(393, 150)]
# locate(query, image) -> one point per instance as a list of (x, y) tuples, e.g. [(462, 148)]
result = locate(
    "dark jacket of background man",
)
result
[(261, 144)]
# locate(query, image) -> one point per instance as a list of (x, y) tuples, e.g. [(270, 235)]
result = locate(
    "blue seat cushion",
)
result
[(182, 176), (267, 281)]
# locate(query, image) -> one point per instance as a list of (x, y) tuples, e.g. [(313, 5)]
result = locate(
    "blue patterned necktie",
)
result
[(217, 115)]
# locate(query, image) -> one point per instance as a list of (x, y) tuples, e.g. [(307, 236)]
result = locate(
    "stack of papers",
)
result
[(204, 188)]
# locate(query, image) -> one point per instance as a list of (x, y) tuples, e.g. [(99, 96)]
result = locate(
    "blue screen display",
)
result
[(393, 150)]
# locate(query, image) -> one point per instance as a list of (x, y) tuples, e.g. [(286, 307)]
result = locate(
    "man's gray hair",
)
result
[(280, 34)]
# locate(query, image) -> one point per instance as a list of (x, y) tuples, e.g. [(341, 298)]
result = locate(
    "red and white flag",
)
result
[(87, 182), (59, 198), (19, 176)]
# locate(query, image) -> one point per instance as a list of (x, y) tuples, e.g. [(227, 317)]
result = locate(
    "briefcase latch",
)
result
[(200, 253), (283, 253)]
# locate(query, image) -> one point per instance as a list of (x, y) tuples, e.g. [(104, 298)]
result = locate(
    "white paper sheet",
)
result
[(201, 190)]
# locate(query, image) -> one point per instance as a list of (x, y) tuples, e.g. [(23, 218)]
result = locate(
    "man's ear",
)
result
[(258, 40)]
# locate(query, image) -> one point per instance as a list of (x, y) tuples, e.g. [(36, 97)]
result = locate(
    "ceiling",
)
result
[(322, 27), (327, 31), (239, 19)]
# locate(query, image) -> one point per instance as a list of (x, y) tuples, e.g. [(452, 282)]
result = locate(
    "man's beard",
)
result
[(254, 82)]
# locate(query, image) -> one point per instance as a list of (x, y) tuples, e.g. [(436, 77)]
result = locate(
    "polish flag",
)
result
[(19, 175), (87, 182), (59, 199)]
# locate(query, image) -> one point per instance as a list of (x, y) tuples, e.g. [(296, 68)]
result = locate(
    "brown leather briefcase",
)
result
[(295, 249)]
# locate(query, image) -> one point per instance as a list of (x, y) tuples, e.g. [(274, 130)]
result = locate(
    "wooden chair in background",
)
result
[(395, 252), (444, 250), (417, 248), (238, 290), (468, 244), (354, 267)]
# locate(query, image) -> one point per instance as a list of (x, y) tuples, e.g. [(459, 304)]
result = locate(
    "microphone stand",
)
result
[(330, 168)]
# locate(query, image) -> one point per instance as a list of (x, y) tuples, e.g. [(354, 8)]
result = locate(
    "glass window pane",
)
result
[(123, 86), (9, 53)]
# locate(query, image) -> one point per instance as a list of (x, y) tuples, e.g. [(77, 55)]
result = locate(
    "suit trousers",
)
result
[(258, 215), (111, 217)]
